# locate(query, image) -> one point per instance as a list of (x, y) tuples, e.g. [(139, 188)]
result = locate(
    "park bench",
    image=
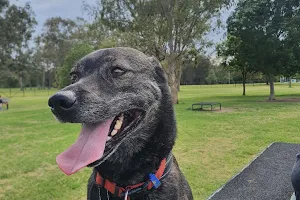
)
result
[(4, 102), (201, 104)]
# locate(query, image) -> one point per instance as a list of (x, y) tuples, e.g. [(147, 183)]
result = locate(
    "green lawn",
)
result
[(211, 146)]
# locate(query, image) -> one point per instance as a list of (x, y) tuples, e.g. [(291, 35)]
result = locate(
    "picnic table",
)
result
[(4, 102), (201, 104)]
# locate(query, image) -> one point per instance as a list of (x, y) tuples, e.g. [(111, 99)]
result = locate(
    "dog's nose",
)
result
[(63, 99)]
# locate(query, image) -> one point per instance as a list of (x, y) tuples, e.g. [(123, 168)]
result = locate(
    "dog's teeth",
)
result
[(114, 132), (118, 124), (121, 117), (108, 138)]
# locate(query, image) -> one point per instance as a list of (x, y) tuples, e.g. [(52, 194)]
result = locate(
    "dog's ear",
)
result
[(160, 75)]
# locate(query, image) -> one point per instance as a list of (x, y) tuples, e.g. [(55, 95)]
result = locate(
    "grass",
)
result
[(211, 146)]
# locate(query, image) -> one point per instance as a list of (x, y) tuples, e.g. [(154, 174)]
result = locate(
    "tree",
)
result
[(39, 66), (17, 25), (164, 29), (267, 28), (221, 73), (3, 35), (21, 65), (58, 38), (8, 79), (76, 53), (291, 45), (56, 41), (195, 67), (99, 35), (235, 56), (211, 78)]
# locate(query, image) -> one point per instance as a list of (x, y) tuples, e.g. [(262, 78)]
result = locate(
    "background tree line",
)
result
[(261, 43), (165, 29), (199, 69), (263, 37)]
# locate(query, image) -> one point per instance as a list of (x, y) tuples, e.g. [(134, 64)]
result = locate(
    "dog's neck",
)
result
[(133, 170)]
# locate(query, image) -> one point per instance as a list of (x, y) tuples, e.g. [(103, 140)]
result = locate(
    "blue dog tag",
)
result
[(156, 183)]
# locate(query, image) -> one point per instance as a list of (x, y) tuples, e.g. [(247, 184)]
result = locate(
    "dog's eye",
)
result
[(74, 78), (117, 71)]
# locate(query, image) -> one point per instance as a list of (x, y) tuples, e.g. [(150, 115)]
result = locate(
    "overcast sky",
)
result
[(44, 9)]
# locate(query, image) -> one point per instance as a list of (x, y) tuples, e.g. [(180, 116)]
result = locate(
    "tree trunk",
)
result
[(244, 78), (178, 73), (21, 82), (172, 78), (174, 93), (178, 85), (172, 56), (290, 82), (37, 84), (30, 85), (244, 88), (272, 90), (44, 79), (49, 75)]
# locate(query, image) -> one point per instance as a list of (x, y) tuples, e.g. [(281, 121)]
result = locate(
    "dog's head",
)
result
[(117, 95)]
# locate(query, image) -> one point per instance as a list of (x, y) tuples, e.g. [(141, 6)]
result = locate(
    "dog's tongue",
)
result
[(88, 148)]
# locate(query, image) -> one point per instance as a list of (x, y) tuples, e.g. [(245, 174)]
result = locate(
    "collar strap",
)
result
[(117, 191)]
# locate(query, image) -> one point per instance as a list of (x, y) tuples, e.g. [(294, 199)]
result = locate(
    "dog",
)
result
[(295, 179), (122, 99)]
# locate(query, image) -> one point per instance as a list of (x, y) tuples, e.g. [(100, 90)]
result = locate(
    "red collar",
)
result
[(117, 191)]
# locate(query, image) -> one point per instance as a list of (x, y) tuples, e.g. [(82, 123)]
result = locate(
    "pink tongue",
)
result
[(88, 148)]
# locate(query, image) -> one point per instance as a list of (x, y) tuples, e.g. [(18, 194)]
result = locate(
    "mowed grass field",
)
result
[(211, 146)]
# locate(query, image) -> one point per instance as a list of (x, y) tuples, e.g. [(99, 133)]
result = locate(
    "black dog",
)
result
[(122, 99), (295, 178)]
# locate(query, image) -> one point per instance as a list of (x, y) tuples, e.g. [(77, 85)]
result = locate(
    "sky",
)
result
[(45, 9)]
